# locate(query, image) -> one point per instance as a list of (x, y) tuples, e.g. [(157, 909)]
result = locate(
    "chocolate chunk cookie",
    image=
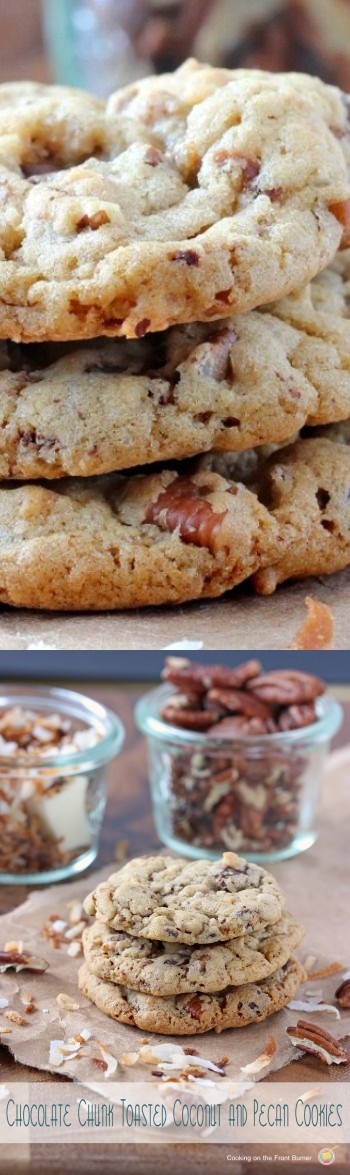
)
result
[(162, 968), (188, 902), (188, 196), (185, 1015), (169, 536), (307, 487), (89, 409), (119, 542)]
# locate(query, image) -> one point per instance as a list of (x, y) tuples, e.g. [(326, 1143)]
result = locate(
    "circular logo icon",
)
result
[(326, 1156)]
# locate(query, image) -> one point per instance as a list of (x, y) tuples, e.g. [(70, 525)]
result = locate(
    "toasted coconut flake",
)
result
[(150, 1054), (80, 1037), (322, 973), (110, 1061), (3, 1002), (74, 949), (75, 912), (311, 1093), (14, 946), (56, 1055), (313, 1006), (172, 1056), (200, 1080), (121, 851), (75, 931), (130, 1058), (310, 962), (61, 1051), (66, 1002), (317, 630), (263, 1060), (4, 1030)]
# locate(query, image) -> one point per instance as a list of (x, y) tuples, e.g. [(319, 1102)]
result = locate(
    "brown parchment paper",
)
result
[(238, 620), (316, 885)]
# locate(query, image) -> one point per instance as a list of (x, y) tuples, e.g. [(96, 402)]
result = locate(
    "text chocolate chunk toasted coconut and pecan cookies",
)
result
[(188, 195), (232, 385), (231, 797)]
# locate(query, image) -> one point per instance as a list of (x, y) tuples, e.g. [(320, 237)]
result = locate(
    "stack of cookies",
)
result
[(182, 948), (172, 285)]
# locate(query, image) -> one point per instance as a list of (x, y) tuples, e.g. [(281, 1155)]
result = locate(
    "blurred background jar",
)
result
[(104, 44)]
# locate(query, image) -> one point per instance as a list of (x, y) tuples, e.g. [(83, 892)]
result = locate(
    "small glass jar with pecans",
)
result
[(54, 748), (236, 758)]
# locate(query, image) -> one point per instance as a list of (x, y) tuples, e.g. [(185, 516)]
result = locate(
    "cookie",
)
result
[(165, 969), (126, 542), (306, 486), (188, 902), (185, 1015), (188, 196), (119, 542), (234, 385)]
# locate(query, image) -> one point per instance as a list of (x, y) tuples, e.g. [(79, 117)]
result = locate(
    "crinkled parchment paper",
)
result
[(30, 1043)]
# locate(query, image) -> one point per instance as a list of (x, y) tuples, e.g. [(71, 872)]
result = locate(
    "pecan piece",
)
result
[(224, 813), (296, 716), (194, 1007), (93, 222), (342, 213), (286, 687), (249, 167), (343, 994), (181, 507), (15, 1017), (313, 1039)]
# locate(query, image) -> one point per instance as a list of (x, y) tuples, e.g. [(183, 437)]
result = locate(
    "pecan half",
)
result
[(286, 687), (313, 1039), (240, 702), (184, 507), (21, 961), (190, 719), (343, 994), (296, 716), (185, 673)]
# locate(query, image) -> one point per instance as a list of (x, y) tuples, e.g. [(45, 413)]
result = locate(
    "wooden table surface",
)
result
[(129, 817)]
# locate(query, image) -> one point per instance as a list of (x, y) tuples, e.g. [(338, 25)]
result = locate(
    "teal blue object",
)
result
[(60, 38), (90, 43)]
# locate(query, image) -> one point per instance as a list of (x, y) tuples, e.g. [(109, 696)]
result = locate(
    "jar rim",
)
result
[(329, 718), (69, 703)]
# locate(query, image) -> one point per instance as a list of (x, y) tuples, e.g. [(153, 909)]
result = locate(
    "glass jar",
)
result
[(103, 44), (258, 796), (52, 804)]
